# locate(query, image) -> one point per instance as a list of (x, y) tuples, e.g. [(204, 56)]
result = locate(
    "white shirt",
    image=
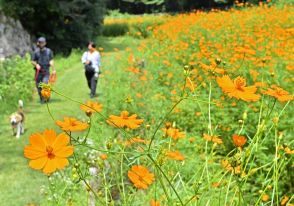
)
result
[(93, 57)]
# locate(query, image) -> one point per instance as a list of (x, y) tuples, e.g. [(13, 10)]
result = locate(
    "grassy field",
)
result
[(216, 129)]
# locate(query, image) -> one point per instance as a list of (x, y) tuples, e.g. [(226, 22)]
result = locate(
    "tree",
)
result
[(66, 24)]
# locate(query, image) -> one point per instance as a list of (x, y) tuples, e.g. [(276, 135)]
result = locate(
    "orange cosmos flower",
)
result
[(46, 93), (239, 141), (135, 140), (279, 93), (176, 155), (154, 203), (140, 176), (103, 156), (173, 133), (72, 124), (124, 120), (265, 198), (226, 165), (213, 138), (48, 151), (288, 151), (237, 88), (284, 200), (91, 107)]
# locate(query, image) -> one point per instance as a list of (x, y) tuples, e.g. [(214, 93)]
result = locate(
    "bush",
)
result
[(115, 29), (15, 82)]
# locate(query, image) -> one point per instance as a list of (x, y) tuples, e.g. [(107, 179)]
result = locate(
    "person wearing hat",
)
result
[(42, 59)]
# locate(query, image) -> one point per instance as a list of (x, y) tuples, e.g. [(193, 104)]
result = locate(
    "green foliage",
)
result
[(115, 29), (65, 24), (143, 29), (147, 2), (15, 82), (154, 6)]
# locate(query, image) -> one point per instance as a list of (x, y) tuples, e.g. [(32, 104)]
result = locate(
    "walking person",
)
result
[(92, 62), (42, 59)]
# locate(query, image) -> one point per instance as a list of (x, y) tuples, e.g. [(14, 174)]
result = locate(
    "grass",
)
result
[(20, 185)]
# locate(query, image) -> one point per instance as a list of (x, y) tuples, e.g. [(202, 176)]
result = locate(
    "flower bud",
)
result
[(218, 61), (109, 145), (275, 120), (244, 116)]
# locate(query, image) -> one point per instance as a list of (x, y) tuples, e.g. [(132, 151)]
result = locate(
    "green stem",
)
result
[(209, 115), (79, 172), (122, 180), (90, 124), (170, 184), (228, 188), (47, 105), (105, 188), (165, 191), (161, 122)]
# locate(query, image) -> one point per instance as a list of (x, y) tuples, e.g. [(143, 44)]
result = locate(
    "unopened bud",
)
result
[(218, 61), (244, 116), (89, 113), (275, 120), (186, 67), (108, 145)]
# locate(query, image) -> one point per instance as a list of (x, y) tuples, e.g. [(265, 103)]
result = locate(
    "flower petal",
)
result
[(38, 163), (50, 166), (38, 141), (50, 136), (61, 162), (61, 140), (64, 151), (32, 152)]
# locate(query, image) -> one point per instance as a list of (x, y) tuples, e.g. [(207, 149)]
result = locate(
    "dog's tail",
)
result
[(20, 105)]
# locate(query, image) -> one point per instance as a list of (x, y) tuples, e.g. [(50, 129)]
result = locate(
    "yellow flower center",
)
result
[(240, 83), (50, 153)]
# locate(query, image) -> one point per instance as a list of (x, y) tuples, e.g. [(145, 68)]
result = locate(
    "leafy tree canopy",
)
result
[(66, 24)]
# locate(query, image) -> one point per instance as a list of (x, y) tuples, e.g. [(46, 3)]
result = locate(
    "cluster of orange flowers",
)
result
[(214, 138), (48, 151)]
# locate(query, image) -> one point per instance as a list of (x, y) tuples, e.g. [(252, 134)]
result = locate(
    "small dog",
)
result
[(17, 120)]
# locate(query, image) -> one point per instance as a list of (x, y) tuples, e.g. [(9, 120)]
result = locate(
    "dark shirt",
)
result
[(43, 57)]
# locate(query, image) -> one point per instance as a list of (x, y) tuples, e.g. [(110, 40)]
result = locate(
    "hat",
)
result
[(41, 39)]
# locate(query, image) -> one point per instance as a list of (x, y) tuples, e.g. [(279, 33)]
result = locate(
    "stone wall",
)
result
[(13, 38)]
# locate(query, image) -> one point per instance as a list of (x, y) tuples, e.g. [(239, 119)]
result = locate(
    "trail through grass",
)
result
[(20, 185)]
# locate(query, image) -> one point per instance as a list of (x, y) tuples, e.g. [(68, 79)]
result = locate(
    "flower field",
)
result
[(199, 113)]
